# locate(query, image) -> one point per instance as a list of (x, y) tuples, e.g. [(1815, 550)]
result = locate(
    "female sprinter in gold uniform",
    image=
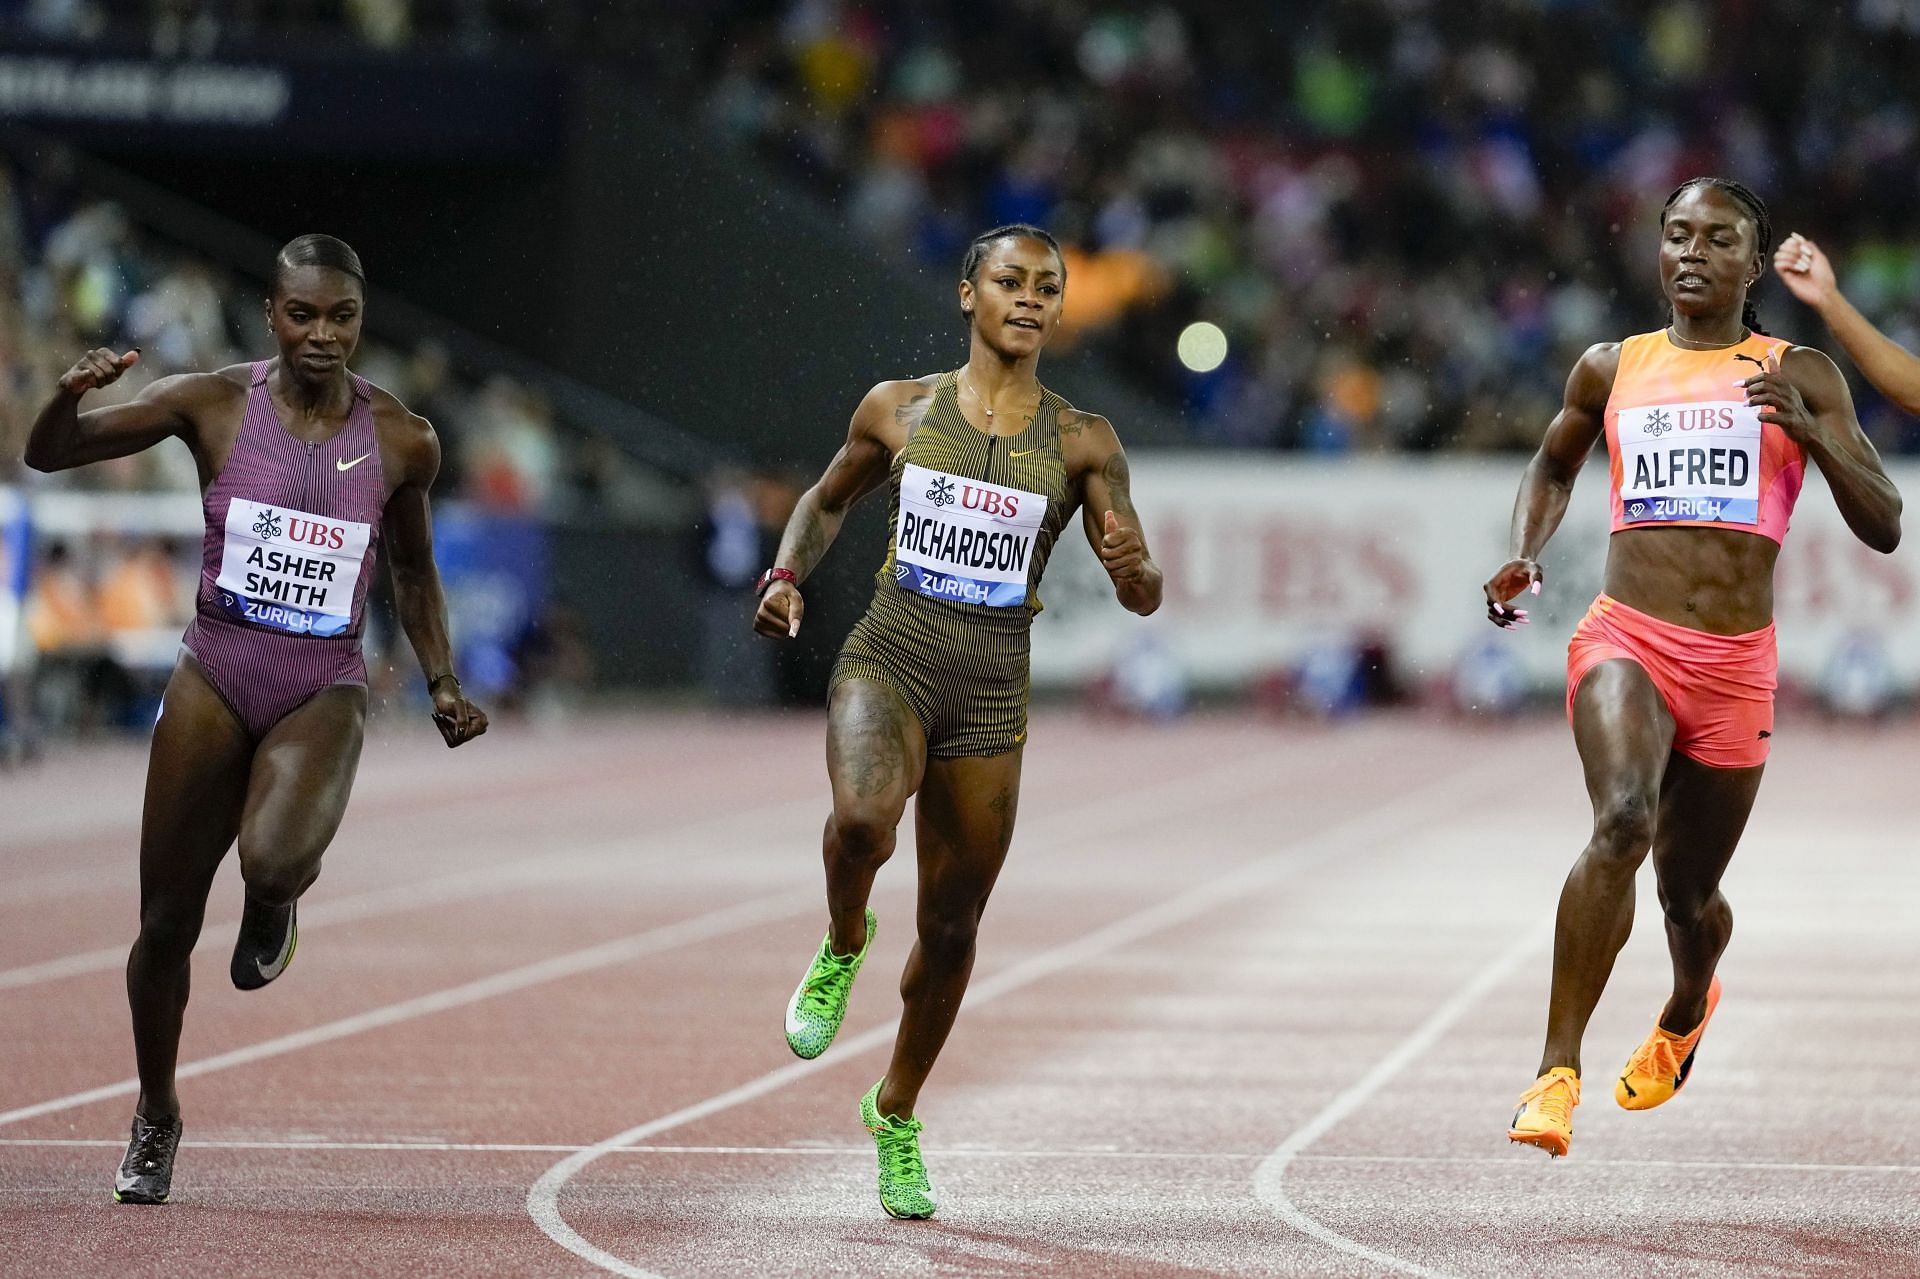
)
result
[(984, 466)]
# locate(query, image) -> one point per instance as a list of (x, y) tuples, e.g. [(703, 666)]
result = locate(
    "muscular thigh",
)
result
[(1703, 812), (963, 820), (876, 749), (303, 773), (1623, 731), (196, 786)]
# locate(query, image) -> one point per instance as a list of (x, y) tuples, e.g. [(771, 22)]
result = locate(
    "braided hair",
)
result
[(977, 250), (1742, 195)]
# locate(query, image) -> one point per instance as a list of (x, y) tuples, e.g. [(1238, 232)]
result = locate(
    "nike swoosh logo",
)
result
[(1022, 452), (348, 466), (278, 966), (794, 1024)]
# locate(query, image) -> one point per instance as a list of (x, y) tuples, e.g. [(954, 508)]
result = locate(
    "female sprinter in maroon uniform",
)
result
[(1670, 676), (304, 469)]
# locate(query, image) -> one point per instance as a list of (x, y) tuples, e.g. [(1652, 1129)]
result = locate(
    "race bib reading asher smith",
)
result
[(1690, 462), (289, 570), (964, 540)]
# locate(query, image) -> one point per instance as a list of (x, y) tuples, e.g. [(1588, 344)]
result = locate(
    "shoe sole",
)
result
[(907, 1216), (1554, 1143), (130, 1198)]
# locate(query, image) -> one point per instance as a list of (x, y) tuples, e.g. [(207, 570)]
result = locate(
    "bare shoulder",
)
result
[(1087, 440), (1591, 383), (891, 410), (200, 390), (405, 436), (1808, 361)]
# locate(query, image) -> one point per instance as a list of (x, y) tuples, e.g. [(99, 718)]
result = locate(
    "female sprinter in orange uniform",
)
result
[(1670, 676), (984, 467), (304, 469)]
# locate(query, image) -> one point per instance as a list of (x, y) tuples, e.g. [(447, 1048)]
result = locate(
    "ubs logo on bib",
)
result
[(268, 525), (1658, 423), (940, 492)]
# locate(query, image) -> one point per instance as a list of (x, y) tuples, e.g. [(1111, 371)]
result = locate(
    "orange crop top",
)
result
[(1685, 447)]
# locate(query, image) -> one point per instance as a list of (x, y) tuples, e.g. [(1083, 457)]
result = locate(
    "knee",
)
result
[(169, 930), (865, 832), (1623, 829), (278, 878), (949, 932), (1686, 907)]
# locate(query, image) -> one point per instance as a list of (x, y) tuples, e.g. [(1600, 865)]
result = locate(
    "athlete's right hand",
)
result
[(1514, 576), (97, 368), (780, 610), (1805, 269)]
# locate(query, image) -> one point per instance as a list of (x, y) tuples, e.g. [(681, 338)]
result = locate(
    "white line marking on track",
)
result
[(1397, 818), (545, 869), (1269, 1179), (1091, 1154), (718, 923)]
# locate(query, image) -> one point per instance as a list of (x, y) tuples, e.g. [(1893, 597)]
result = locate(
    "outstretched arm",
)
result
[(63, 437), (1548, 482), (1106, 513), (1805, 396), (855, 471), (1893, 370), (407, 528)]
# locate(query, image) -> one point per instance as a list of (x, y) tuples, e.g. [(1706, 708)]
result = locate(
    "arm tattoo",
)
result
[(1071, 422), (1119, 483), (910, 414)]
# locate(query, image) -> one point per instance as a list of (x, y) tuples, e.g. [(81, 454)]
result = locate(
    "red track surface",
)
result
[(1251, 999)]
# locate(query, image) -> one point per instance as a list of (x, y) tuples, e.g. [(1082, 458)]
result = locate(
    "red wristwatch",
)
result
[(773, 575)]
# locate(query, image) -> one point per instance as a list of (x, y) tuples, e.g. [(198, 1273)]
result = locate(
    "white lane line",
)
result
[(718, 923), (1069, 824), (1091, 1154), (1269, 1179), (1293, 857), (602, 857)]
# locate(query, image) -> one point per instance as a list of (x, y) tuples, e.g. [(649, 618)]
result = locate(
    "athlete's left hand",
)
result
[(458, 719), (1779, 401), (1122, 552)]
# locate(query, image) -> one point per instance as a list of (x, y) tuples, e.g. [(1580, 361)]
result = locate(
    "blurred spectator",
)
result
[(1452, 200)]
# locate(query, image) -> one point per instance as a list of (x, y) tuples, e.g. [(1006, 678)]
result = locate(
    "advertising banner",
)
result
[(1269, 558)]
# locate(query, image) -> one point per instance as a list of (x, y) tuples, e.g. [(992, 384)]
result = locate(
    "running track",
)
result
[(1252, 999)]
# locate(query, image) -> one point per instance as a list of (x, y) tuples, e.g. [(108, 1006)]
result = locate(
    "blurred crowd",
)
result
[(1408, 216), (105, 610), (77, 272)]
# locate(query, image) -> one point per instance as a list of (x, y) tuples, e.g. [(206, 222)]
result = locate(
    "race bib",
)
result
[(290, 570), (1690, 462), (964, 540)]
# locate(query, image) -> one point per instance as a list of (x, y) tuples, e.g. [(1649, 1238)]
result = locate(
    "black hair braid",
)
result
[(317, 250), (1756, 209)]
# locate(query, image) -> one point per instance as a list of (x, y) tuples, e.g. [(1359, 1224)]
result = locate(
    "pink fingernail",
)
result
[(1536, 588)]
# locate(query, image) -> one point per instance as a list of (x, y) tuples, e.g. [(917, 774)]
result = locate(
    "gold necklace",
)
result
[(976, 395), (1693, 344)]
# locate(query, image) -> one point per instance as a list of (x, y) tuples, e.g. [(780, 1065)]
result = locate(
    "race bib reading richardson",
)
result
[(964, 540), (1690, 462), (290, 570)]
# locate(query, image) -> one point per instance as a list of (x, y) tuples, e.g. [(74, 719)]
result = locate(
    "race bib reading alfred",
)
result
[(965, 540), (290, 570), (1690, 462)]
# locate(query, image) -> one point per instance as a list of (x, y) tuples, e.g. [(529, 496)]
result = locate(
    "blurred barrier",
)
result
[(1268, 559), (15, 547)]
